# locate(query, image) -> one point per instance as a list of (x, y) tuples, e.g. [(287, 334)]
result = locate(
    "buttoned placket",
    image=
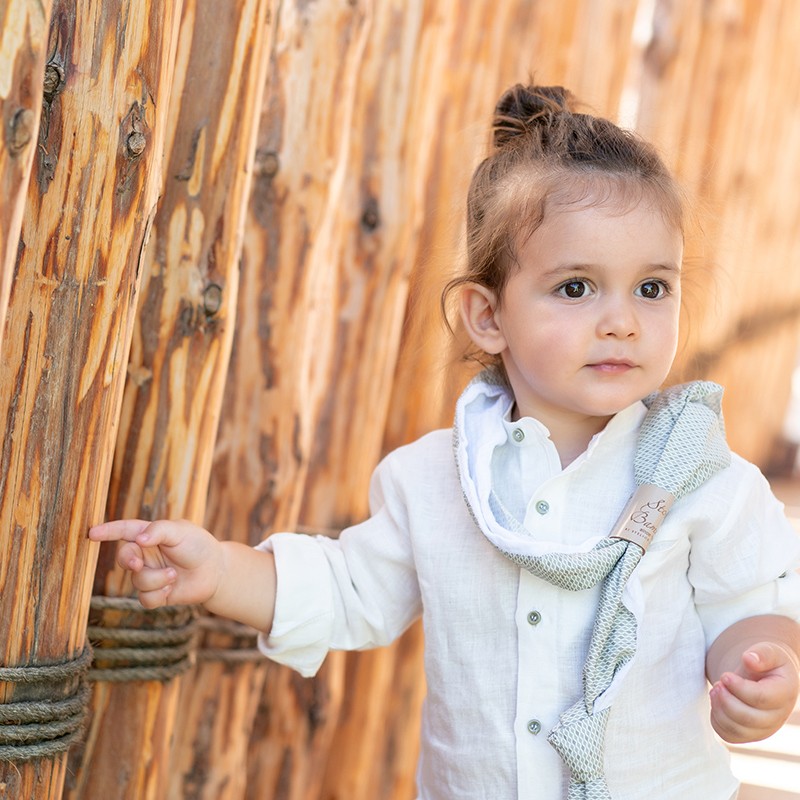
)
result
[(537, 614), (539, 466), (549, 621), (544, 612)]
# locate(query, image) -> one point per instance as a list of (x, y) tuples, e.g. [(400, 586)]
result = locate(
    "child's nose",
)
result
[(618, 319)]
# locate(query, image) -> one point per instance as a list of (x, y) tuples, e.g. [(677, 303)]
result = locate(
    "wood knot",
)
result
[(135, 144), (267, 163), (371, 217), (53, 80), (212, 299), (20, 131)]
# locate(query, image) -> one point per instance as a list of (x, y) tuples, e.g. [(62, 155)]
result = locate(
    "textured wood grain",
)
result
[(23, 45), (69, 326), (216, 710), (281, 370), (179, 361)]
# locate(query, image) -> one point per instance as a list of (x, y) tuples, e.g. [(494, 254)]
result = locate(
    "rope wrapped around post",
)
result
[(137, 644), (175, 637), (47, 725)]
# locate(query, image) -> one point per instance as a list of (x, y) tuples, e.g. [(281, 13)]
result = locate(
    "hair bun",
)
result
[(522, 109)]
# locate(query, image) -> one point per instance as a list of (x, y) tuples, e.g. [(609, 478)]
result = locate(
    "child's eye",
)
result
[(653, 290), (574, 289)]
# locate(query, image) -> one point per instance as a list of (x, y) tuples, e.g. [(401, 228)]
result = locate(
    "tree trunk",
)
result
[(23, 45), (177, 371), (70, 317)]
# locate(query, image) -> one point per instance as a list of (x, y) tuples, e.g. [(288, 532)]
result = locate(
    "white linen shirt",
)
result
[(504, 649)]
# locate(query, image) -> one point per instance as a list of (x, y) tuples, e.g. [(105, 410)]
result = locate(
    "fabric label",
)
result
[(645, 511)]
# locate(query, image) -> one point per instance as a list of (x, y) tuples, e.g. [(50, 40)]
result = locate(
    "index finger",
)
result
[(118, 530)]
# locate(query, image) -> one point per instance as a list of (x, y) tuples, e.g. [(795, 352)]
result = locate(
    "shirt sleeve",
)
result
[(352, 593), (745, 553)]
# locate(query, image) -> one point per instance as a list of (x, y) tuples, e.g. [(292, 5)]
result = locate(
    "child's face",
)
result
[(588, 323)]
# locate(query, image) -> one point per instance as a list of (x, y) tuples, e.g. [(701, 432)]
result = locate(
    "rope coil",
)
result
[(167, 647), (44, 727), (160, 651)]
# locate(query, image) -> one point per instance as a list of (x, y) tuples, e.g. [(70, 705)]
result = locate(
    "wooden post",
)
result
[(96, 180), (23, 40), (280, 370), (177, 371)]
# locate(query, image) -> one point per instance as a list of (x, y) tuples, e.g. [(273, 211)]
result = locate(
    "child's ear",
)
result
[(478, 306)]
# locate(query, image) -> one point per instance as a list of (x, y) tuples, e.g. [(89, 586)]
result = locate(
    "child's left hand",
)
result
[(754, 701)]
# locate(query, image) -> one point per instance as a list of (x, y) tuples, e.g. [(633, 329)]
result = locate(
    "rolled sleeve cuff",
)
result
[(302, 626)]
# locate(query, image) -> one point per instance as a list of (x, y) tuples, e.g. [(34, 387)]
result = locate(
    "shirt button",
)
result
[(534, 617), (518, 434), (543, 506), (534, 726)]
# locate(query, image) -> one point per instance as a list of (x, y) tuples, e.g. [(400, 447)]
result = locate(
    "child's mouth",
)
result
[(613, 366)]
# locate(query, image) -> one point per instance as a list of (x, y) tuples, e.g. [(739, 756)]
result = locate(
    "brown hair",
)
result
[(545, 151)]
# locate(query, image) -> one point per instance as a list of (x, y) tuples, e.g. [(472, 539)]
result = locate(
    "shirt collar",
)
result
[(527, 431), (478, 428)]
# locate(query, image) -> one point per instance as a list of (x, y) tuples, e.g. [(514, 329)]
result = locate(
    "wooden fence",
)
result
[(223, 233)]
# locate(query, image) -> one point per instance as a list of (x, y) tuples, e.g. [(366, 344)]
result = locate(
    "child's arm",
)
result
[(182, 564), (753, 666)]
